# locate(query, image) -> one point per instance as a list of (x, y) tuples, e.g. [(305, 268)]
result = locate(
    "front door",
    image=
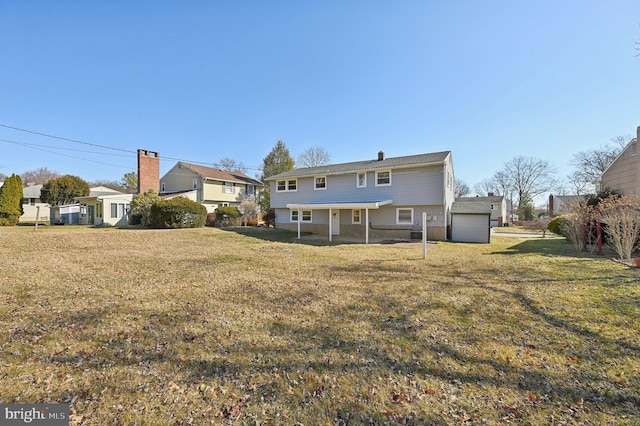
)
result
[(335, 222)]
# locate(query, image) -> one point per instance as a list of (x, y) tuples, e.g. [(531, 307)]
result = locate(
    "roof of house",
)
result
[(479, 207), (491, 199), (629, 145), (97, 191), (217, 174), (32, 191), (387, 163)]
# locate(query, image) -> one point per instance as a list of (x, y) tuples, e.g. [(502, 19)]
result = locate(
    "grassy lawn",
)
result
[(251, 327)]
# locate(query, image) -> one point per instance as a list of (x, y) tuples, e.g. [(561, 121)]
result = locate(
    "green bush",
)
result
[(177, 213), (11, 201), (555, 225), (227, 216)]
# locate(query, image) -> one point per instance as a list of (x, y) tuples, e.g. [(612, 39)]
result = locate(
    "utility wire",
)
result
[(107, 147)]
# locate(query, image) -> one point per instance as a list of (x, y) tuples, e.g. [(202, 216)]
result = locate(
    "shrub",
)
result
[(227, 216), (177, 213), (11, 201), (211, 219), (141, 206), (270, 218), (555, 225)]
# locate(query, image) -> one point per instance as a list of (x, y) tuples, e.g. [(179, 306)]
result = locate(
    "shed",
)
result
[(471, 222)]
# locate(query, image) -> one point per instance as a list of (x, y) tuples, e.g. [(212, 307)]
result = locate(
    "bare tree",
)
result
[(461, 189), (621, 215), (578, 185), (249, 211), (314, 157), (528, 176), (592, 163), (486, 186), (39, 176), (231, 165)]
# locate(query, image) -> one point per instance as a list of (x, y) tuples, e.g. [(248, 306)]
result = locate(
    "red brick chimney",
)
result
[(551, 212), (148, 171)]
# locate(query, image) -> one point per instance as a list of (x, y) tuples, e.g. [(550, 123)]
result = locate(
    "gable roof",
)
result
[(491, 199), (217, 174), (32, 191), (629, 145), (367, 165), (479, 207)]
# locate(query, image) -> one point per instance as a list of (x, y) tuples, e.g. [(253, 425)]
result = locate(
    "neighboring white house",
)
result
[(103, 206), (210, 187), (383, 198), (30, 204)]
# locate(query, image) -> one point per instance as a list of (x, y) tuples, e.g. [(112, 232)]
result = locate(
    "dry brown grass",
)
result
[(211, 327)]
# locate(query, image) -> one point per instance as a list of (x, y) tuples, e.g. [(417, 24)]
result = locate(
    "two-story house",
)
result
[(382, 198), (623, 175), (32, 206), (210, 187)]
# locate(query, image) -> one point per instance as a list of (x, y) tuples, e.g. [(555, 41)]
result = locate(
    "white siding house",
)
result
[(382, 198)]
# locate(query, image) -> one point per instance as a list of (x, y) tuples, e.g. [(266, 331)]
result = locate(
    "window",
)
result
[(228, 188), (162, 187), (404, 216), (118, 210), (320, 182), (383, 178), (99, 210), (195, 184), (306, 216), (355, 217), (361, 180), (250, 190), (286, 185), (114, 210), (121, 210)]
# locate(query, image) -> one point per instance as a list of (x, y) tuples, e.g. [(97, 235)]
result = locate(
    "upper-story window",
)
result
[(251, 190), (162, 187), (195, 184), (228, 188), (383, 178), (361, 180), (287, 185), (320, 182)]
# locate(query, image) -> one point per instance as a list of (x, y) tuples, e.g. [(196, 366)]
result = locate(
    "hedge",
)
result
[(177, 213)]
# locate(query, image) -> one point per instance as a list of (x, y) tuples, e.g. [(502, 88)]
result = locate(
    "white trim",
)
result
[(353, 217), (378, 172), (398, 216), (345, 205), (315, 183), (364, 184), (287, 185)]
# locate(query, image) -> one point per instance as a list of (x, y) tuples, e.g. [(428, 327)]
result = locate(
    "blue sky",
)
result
[(202, 80)]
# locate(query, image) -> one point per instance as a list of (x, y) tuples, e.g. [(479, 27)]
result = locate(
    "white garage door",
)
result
[(470, 228)]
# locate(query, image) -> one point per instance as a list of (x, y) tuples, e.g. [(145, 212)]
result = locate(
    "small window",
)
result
[(361, 180), (228, 188), (294, 215), (320, 182), (162, 187), (250, 190), (355, 217), (404, 216), (383, 178), (121, 210), (292, 185), (195, 184), (281, 185), (114, 210)]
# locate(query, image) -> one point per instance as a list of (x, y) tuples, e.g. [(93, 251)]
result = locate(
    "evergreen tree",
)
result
[(11, 200), (278, 161), (63, 190)]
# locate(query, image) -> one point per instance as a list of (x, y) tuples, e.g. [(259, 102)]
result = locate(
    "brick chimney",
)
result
[(380, 156), (148, 171), (551, 212)]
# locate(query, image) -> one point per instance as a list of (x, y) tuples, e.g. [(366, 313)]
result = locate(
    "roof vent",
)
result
[(380, 156)]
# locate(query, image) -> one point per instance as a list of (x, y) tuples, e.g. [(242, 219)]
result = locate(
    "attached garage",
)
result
[(471, 222)]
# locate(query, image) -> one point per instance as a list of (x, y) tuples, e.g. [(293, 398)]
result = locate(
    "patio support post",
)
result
[(330, 226), (366, 223), (299, 214)]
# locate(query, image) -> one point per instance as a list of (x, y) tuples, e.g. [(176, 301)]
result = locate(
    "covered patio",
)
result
[(337, 206)]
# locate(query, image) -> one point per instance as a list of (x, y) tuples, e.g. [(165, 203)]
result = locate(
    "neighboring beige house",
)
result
[(30, 204), (104, 206), (210, 187), (623, 175), (497, 204)]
